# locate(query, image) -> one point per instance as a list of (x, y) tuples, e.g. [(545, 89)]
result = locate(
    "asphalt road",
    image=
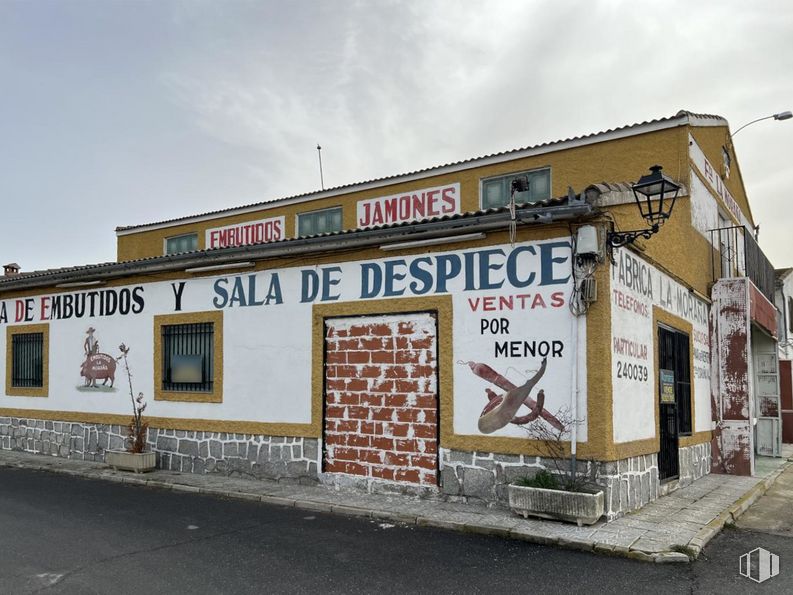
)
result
[(62, 534)]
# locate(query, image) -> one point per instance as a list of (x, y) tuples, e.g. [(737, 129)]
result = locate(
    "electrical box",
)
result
[(589, 290), (587, 241)]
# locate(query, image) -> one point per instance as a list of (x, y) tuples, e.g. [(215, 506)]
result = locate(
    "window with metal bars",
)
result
[(27, 360), (188, 357)]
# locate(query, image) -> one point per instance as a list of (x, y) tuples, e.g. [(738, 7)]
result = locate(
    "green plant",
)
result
[(137, 428), (544, 479)]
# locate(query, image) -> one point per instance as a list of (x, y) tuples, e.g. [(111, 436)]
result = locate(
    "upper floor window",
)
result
[(184, 243), (496, 191), (316, 222)]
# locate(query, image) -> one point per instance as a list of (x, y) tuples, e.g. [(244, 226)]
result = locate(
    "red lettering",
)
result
[(557, 299), (523, 297), (277, 229), (418, 206), (391, 210), (450, 199), (20, 311), (432, 203), (489, 303), (364, 221), (473, 304), (45, 303), (377, 216), (404, 207), (538, 301)]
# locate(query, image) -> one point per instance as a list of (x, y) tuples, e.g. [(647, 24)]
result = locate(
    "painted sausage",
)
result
[(501, 415)]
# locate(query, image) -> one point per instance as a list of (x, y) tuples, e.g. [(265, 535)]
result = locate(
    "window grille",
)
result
[(27, 360), (188, 357)]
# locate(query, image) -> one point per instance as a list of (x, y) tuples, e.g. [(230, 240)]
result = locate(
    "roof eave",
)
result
[(354, 239)]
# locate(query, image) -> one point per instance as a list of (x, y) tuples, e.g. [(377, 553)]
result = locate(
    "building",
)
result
[(366, 335)]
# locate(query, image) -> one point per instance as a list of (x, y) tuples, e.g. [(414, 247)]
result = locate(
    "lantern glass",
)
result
[(655, 195)]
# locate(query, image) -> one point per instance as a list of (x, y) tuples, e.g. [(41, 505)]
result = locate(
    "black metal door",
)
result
[(667, 411)]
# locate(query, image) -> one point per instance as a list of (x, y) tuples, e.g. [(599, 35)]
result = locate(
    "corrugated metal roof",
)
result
[(683, 116)]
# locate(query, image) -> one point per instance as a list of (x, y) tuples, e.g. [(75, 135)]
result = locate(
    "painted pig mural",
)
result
[(98, 366)]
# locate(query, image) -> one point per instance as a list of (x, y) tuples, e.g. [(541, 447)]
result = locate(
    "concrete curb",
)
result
[(741, 505)]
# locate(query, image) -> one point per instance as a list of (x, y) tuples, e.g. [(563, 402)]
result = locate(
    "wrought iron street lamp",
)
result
[(655, 195)]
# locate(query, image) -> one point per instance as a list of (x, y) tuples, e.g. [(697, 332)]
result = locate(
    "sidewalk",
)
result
[(674, 528)]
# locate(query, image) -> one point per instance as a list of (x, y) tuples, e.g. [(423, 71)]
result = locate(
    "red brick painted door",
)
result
[(381, 398)]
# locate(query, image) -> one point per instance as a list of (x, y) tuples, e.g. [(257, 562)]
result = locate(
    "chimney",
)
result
[(11, 268)]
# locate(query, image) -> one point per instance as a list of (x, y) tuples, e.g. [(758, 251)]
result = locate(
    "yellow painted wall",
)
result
[(621, 160)]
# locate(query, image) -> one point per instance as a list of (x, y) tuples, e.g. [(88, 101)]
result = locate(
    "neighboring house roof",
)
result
[(545, 211), (781, 275), (681, 118)]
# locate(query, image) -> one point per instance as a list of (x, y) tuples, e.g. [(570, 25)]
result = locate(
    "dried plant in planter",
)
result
[(137, 429), (553, 445)]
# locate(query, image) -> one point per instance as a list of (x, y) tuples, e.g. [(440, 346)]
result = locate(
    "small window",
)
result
[(496, 191), (184, 243), (188, 357), (27, 360), (316, 222)]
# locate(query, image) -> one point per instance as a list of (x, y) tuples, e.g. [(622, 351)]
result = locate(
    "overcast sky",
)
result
[(121, 112)]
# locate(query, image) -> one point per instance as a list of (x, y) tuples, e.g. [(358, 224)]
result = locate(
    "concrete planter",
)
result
[(578, 507), (139, 462)]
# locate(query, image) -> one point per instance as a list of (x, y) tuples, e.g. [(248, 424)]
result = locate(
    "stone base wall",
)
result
[(694, 462), (269, 457), (629, 484)]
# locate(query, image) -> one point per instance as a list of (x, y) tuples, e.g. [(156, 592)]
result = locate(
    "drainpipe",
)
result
[(574, 399)]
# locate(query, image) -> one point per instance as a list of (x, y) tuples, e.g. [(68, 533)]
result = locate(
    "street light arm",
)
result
[(779, 116)]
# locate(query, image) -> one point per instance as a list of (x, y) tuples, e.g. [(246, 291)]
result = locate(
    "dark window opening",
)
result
[(188, 357), (27, 360)]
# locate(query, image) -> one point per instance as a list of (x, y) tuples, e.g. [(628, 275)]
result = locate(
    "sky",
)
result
[(123, 112)]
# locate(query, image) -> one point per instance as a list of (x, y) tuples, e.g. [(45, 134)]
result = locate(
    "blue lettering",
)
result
[(512, 267), (252, 292), (222, 297), (548, 260), (370, 287), (485, 267), (328, 282), (470, 263), (391, 275), (274, 293), (238, 294), (309, 285), (449, 266), (421, 275)]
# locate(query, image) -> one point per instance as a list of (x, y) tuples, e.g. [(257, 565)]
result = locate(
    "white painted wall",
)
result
[(637, 286), (267, 346)]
